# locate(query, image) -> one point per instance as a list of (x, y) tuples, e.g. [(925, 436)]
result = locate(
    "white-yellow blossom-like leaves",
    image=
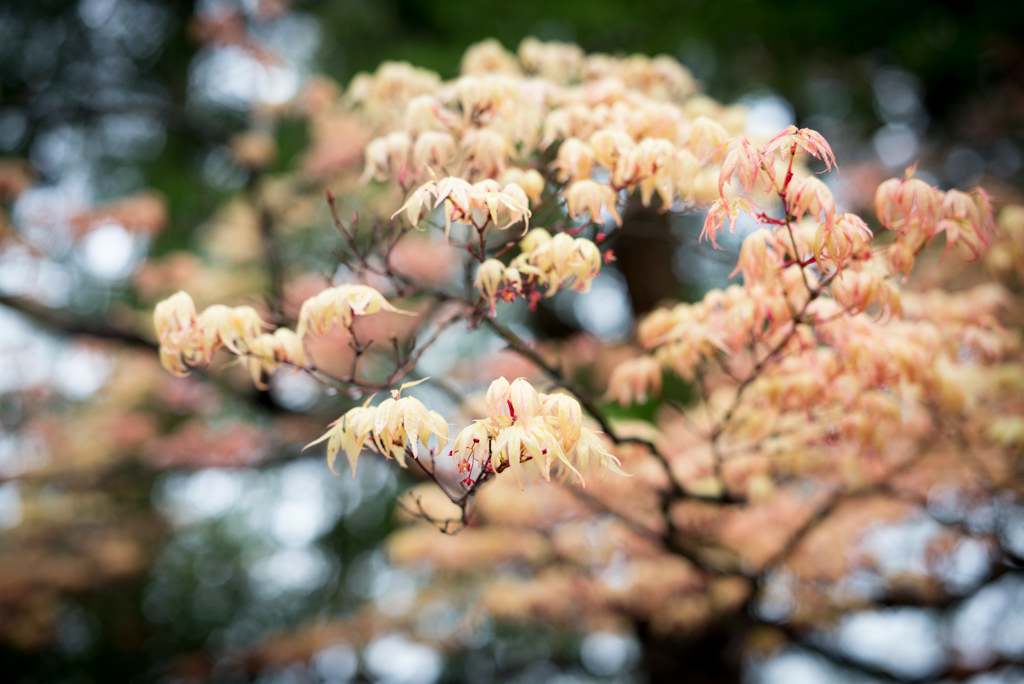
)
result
[(525, 401), (175, 321), (394, 427), (231, 327), (488, 56), (610, 145), (553, 60), (556, 262), (426, 113), (187, 339), (564, 416), (534, 239), (589, 446), (588, 197), (432, 150), (634, 380), (574, 161), (495, 281), (349, 433), (705, 137), (338, 306), (649, 165), (530, 180), (421, 201), (496, 401), (404, 422), (523, 426), (486, 151), (471, 447), (388, 157), (268, 351)]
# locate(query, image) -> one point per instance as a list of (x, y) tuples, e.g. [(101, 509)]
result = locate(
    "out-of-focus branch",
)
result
[(952, 672), (61, 322), (881, 487)]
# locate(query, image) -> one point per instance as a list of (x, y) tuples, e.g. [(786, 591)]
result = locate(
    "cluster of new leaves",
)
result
[(617, 124), (190, 339), (522, 426), (396, 425), (609, 126), (544, 266)]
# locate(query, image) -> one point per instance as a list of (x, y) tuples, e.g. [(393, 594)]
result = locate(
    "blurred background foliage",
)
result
[(106, 98), (964, 62)]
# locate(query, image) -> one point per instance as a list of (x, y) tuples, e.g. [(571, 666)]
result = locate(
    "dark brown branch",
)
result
[(73, 325)]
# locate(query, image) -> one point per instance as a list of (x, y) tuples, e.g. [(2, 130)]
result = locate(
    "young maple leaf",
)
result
[(801, 141), (743, 159), (722, 208)]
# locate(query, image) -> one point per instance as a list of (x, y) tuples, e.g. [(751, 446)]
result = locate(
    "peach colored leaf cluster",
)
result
[(634, 380), (396, 425), (544, 266), (614, 125), (478, 203), (524, 426), (189, 339), (918, 212)]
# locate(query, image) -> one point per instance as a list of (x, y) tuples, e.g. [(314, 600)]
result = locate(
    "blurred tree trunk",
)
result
[(644, 250), (710, 657)]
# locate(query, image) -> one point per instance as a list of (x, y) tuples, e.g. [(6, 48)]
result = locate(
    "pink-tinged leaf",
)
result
[(720, 210), (804, 139), (713, 222), (744, 160)]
